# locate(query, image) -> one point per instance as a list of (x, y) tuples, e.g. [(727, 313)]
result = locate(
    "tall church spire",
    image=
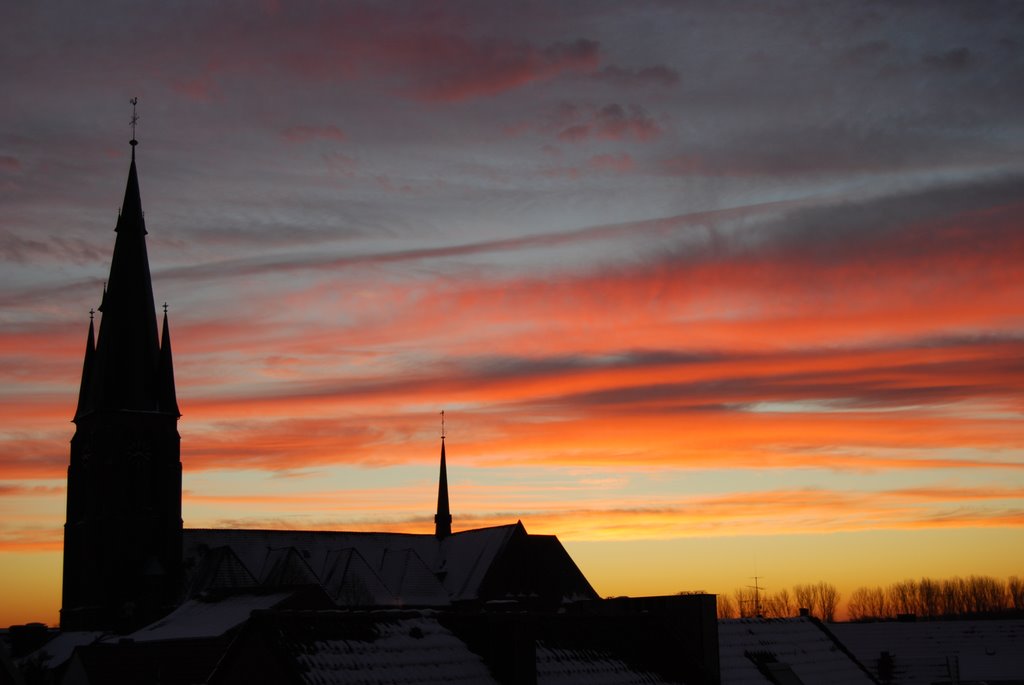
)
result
[(443, 517), (122, 538), (127, 349)]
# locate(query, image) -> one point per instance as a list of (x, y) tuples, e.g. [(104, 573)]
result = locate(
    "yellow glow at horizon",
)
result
[(719, 565)]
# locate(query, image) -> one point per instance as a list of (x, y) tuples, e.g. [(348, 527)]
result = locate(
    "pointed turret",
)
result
[(443, 517), (168, 396), (85, 389)]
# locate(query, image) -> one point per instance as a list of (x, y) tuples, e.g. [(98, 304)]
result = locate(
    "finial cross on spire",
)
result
[(92, 312), (165, 309), (442, 424), (135, 120)]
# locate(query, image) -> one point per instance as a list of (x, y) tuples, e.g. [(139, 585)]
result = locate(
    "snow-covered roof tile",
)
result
[(59, 649), (350, 582), (205, 619), (468, 555), (410, 581), (415, 650), (287, 567), (924, 651), (220, 569), (800, 645), (561, 666)]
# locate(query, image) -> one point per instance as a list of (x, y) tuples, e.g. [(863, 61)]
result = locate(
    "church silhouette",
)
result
[(127, 559), (147, 600)]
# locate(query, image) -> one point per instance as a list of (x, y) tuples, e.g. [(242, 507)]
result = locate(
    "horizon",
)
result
[(744, 304)]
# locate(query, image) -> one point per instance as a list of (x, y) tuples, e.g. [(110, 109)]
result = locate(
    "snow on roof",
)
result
[(400, 649), (220, 569), (459, 562), (796, 645), (922, 652), (286, 567), (411, 580), (350, 581), (467, 556), (560, 666), (59, 649), (206, 619)]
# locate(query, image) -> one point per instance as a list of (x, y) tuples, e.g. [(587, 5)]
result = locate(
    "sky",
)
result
[(708, 290)]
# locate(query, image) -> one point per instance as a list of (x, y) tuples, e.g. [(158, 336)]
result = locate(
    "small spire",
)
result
[(85, 390), (443, 517), (168, 397)]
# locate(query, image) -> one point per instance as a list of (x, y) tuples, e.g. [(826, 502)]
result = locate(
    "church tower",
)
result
[(123, 535)]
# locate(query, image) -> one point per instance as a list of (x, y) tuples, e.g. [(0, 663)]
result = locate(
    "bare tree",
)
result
[(903, 597), (878, 604), (987, 595), (746, 602), (1015, 590), (827, 597), (929, 598), (867, 603), (777, 605), (954, 597), (806, 598), (726, 607)]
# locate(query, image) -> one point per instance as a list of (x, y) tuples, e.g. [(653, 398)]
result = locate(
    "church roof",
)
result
[(384, 569)]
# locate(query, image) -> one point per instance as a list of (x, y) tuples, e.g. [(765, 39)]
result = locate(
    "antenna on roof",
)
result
[(442, 424), (757, 594), (135, 120)]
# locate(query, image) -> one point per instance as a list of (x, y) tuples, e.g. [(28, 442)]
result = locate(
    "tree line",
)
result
[(930, 598), (820, 599), (924, 598)]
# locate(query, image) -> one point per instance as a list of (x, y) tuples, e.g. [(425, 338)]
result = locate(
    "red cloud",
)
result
[(454, 69), (302, 134), (10, 164), (427, 52), (657, 75), (200, 88), (571, 173), (612, 122), (620, 163)]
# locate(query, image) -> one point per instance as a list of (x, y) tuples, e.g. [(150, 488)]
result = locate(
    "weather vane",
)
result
[(442, 424), (135, 120)]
